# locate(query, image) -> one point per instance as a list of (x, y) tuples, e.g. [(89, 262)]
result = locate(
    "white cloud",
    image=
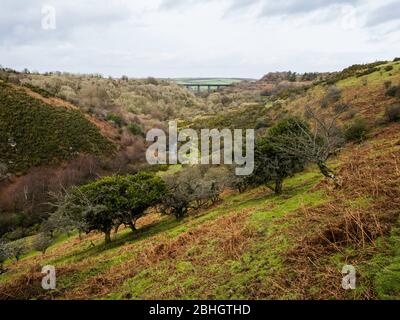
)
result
[(166, 38)]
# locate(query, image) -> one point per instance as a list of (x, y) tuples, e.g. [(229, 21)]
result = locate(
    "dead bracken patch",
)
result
[(369, 172), (230, 231), (28, 286)]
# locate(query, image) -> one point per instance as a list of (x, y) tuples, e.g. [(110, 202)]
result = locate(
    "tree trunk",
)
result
[(107, 237), (329, 173), (278, 186), (132, 224)]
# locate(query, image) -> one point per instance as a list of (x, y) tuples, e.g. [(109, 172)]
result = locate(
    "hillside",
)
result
[(250, 246), (47, 144), (257, 244), (34, 133)]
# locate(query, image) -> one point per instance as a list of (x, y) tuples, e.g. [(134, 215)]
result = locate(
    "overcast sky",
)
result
[(197, 38)]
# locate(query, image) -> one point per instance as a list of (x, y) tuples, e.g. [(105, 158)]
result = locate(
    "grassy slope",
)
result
[(43, 133), (254, 245), (365, 95), (251, 245)]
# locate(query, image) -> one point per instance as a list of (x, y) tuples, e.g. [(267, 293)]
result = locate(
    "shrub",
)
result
[(396, 59), (387, 84), (135, 129), (192, 188), (17, 248), (151, 80), (41, 242), (392, 113), (341, 107), (388, 68), (357, 131), (4, 254), (393, 91), (42, 92), (367, 72), (332, 95), (116, 119)]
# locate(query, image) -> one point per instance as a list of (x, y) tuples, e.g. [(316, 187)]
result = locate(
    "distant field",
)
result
[(213, 81)]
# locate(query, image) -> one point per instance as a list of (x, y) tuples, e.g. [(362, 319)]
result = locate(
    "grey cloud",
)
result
[(173, 4), (20, 22), (384, 14), (269, 7), (293, 7), (237, 5), (233, 4)]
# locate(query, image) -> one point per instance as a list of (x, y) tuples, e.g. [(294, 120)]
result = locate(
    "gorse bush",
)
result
[(357, 131), (392, 113), (387, 84), (388, 68), (393, 91), (332, 95), (118, 120), (36, 89), (135, 129), (357, 70)]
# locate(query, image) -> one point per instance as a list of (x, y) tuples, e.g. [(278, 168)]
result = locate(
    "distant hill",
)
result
[(214, 81)]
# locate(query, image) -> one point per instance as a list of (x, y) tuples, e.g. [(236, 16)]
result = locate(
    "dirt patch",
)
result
[(29, 285)]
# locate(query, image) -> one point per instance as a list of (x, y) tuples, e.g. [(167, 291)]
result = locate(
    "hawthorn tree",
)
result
[(272, 163), (111, 201), (316, 144), (42, 242), (143, 191), (17, 248), (192, 188)]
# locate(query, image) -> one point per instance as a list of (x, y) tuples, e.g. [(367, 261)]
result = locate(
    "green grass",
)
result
[(373, 78), (202, 270), (383, 270), (231, 276)]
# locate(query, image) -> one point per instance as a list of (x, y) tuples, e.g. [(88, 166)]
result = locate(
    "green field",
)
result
[(214, 81)]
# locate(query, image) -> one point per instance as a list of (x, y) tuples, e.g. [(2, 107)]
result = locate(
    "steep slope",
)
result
[(34, 133), (257, 245), (361, 90), (254, 245)]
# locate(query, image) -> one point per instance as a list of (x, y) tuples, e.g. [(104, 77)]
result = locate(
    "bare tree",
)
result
[(191, 188), (42, 242), (317, 144), (3, 171), (4, 254), (17, 248)]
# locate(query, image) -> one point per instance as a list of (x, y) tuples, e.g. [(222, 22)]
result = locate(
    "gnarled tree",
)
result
[(272, 164), (316, 144)]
